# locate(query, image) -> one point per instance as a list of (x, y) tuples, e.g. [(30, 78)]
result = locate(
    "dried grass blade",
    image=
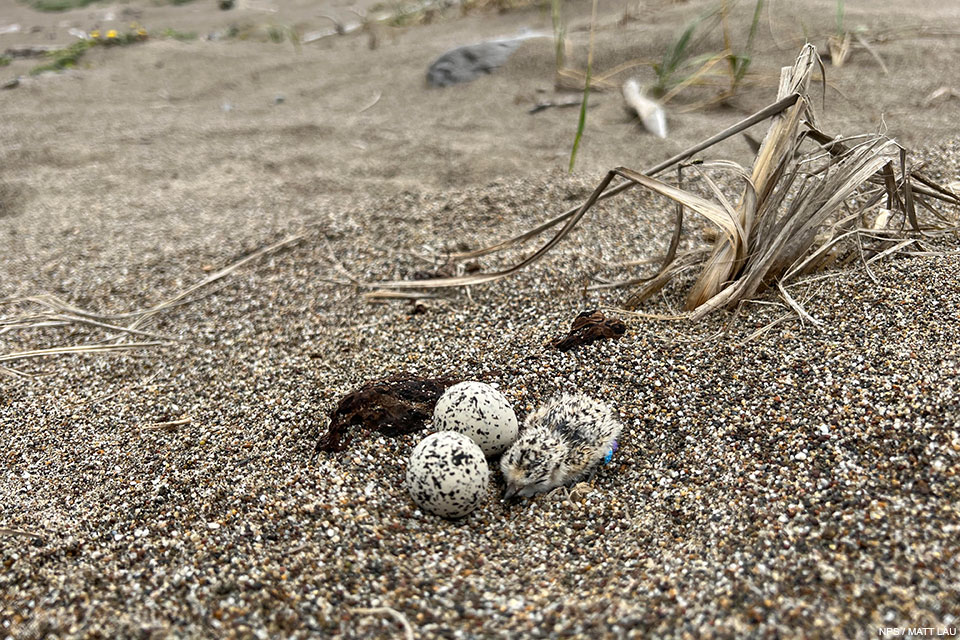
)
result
[(20, 533), (863, 259), (725, 203), (920, 177), (722, 262), (780, 138), (839, 48), (713, 212), (722, 298), (747, 209), (480, 278), (908, 192), (396, 615), (890, 183), (951, 224), (717, 271), (14, 373), (29, 323), (767, 112), (55, 304), (624, 66), (804, 217), (796, 306), (382, 294), (853, 172), (807, 214), (895, 248), (677, 227), (652, 288), (82, 348), (695, 76), (824, 199), (930, 189), (112, 327), (222, 273), (776, 150), (762, 330), (638, 314), (657, 283), (873, 52), (685, 257), (814, 258)]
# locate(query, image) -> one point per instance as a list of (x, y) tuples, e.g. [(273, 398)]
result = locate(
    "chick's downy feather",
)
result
[(562, 442)]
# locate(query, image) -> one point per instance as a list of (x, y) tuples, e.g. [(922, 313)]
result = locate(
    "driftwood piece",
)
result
[(570, 101), (394, 406), (30, 50), (589, 327)]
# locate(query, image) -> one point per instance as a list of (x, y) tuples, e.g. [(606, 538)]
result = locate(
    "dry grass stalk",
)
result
[(779, 144), (873, 52), (80, 348), (379, 294), (19, 533), (14, 373), (573, 80), (390, 611), (799, 210), (58, 313), (839, 47), (55, 319)]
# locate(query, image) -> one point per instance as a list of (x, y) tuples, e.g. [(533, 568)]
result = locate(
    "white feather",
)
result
[(651, 113)]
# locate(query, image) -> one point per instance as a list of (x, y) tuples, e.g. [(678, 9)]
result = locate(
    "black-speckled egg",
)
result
[(479, 411), (447, 474)]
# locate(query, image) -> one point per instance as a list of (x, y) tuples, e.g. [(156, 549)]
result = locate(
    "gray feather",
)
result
[(464, 64)]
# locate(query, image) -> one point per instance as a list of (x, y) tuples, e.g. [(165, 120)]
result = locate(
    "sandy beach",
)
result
[(776, 477)]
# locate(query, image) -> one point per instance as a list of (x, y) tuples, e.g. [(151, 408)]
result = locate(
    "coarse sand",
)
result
[(774, 478)]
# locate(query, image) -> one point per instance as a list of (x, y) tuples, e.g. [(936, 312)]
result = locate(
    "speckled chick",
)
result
[(562, 442)]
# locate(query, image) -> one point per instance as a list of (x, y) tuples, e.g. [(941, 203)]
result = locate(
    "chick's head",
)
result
[(531, 465)]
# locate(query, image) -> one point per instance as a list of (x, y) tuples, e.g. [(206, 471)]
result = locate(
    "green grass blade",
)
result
[(676, 55), (559, 30), (586, 90), (754, 24), (583, 121)]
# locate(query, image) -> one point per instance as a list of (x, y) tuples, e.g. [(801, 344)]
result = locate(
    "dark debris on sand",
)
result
[(395, 406), (588, 327)]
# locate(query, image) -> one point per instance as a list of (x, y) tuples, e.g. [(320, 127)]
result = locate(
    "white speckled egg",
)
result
[(447, 474), (479, 411)]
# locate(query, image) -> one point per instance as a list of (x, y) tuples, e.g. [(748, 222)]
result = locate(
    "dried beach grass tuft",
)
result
[(807, 202)]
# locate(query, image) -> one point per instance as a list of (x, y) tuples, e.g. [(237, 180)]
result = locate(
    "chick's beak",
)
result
[(511, 491)]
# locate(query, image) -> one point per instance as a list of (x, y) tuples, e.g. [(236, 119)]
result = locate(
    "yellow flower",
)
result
[(94, 35), (112, 34)]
